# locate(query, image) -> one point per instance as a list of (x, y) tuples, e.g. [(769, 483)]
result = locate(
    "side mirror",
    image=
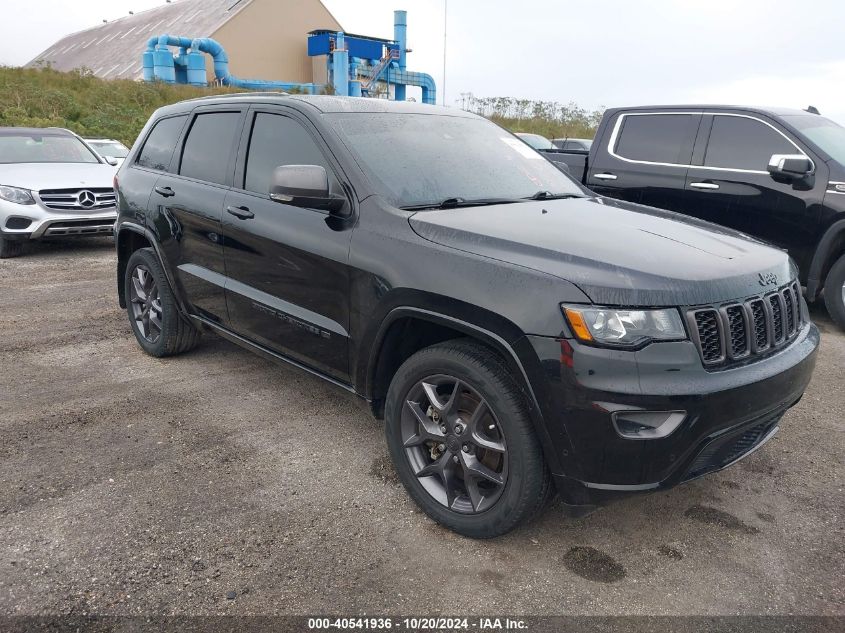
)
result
[(111, 160), (304, 186), (790, 166)]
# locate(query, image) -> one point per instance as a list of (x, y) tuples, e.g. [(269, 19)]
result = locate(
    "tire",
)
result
[(10, 248), (489, 439), (159, 327), (834, 292)]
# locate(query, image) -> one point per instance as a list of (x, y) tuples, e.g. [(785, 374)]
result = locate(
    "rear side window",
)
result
[(279, 140), (743, 143), (657, 138), (159, 146), (209, 145)]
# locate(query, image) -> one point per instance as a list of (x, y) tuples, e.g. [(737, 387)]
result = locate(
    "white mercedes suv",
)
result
[(52, 184)]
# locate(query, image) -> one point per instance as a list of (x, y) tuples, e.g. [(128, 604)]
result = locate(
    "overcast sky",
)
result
[(613, 53)]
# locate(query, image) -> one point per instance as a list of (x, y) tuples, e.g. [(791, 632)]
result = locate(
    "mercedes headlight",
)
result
[(16, 195)]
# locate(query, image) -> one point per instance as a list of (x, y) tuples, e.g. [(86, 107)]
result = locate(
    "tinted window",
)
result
[(657, 138), (741, 143), (208, 146), (161, 142), (279, 140)]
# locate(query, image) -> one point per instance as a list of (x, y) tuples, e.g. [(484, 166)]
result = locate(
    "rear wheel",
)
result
[(10, 248), (158, 325), (461, 440), (834, 292)]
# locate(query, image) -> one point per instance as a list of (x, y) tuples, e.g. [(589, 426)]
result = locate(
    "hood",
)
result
[(618, 253), (37, 176)]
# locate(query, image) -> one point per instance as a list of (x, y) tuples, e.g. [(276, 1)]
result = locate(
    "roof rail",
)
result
[(229, 95)]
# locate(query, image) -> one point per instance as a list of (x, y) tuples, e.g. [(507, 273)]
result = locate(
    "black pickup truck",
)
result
[(776, 174), (517, 334)]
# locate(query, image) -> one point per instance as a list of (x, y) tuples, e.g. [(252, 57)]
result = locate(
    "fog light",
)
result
[(647, 425), (15, 223)]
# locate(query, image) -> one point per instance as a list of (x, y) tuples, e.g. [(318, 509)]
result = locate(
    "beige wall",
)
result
[(268, 39)]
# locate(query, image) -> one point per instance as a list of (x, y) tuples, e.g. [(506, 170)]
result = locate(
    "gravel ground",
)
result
[(218, 483)]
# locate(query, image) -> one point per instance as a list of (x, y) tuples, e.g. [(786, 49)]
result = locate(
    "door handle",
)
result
[(704, 185), (604, 176), (165, 191), (241, 212)]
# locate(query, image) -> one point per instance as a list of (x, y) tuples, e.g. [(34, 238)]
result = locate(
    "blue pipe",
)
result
[(159, 63), (400, 35), (340, 66)]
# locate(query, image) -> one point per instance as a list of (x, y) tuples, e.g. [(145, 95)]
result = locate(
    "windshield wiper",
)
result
[(454, 203), (548, 195)]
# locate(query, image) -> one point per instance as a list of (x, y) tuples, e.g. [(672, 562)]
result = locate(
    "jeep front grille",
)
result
[(100, 198), (735, 331)]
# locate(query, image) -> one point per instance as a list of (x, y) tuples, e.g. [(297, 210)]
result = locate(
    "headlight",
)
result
[(16, 195), (624, 328)]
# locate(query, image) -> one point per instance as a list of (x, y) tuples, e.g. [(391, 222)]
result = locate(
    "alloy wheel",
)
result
[(146, 303), (454, 444)]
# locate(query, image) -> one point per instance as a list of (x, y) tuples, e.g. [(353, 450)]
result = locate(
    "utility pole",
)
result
[(445, 16)]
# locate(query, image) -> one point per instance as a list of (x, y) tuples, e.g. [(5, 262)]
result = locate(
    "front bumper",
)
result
[(45, 223), (728, 413)]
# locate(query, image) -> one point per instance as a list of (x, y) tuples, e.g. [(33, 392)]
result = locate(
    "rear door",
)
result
[(288, 286), (729, 184), (152, 160), (190, 204), (645, 157)]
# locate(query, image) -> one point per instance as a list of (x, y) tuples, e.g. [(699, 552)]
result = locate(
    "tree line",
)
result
[(551, 119)]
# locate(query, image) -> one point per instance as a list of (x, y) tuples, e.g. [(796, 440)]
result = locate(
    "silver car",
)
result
[(113, 151), (51, 184)]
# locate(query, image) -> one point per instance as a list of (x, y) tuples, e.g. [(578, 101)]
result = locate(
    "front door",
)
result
[(287, 267), (731, 186)]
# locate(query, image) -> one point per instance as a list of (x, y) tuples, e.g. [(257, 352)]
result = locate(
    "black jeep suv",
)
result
[(518, 334)]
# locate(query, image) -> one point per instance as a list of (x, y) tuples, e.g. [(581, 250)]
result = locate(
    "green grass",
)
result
[(42, 97)]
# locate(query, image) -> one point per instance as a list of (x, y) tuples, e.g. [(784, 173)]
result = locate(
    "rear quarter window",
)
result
[(656, 138), (161, 141)]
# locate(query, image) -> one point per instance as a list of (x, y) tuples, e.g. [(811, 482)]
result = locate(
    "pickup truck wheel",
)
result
[(462, 442), (834, 292), (10, 248), (155, 318)]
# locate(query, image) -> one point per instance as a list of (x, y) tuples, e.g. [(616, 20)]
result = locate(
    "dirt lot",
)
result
[(218, 483)]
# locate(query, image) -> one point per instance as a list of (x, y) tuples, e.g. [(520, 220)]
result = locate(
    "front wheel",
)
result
[(834, 292), (462, 442)]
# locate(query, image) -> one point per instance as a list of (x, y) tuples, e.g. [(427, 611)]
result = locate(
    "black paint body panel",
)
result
[(322, 291)]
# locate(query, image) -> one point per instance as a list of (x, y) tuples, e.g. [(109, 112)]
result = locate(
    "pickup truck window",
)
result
[(279, 140), (159, 146), (829, 136), (207, 148), (416, 159), (655, 138), (739, 142)]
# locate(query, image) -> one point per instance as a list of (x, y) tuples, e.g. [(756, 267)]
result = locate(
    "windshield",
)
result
[(34, 148), (536, 141), (112, 150), (829, 136), (419, 159)]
